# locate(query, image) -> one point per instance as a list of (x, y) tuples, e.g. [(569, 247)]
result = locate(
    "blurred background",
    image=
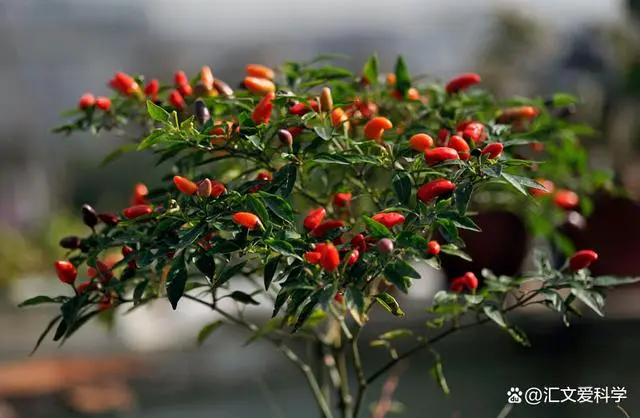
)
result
[(52, 51)]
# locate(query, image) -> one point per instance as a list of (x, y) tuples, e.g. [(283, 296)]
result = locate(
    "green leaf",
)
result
[(207, 330), (38, 300), (377, 230), (449, 231), (370, 70), (462, 195), (176, 280), (610, 281), (437, 373), (514, 181), (407, 239), (270, 269), (61, 330), (138, 292), (495, 315), (389, 303), (354, 294), (404, 269), (306, 311), (324, 132), (494, 171), (283, 247), (242, 297), (154, 137), (44, 334), (206, 264), (454, 250), (288, 174), (280, 207), (402, 186), (519, 336), (397, 279), (258, 208), (592, 299), (157, 113), (563, 100), (117, 153), (281, 299), (397, 333), (403, 78)]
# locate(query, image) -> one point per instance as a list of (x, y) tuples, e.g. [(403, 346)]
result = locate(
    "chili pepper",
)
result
[(103, 103), (413, 94), (330, 260), (443, 136), (87, 100), (537, 146), (338, 117), (493, 150), (566, 199), (353, 257), (375, 127), (222, 88), (201, 112), (437, 155), (517, 113), (312, 257), (70, 243), (459, 144), (547, 184), (582, 259), (176, 100), (326, 100), (295, 131), (201, 90), (471, 280), (323, 228), (462, 82), (259, 86), (185, 185), (137, 211), (204, 188), (389, 219), (285, 137), (339, 298), (109, 219), (458, 284), (341, 200), (320, 247), (391, 79), (385, 245), (301, 109), (260, 71), (433, 248), (185, 90), (89, 216), (263, 110), (461, 126), (140, 192), (420, 142), (152, 89), (358, 242), (85, 287), (206, 77), (124, 83), (180, 78), (105, 304), (265, 176), (433, 189), (474, 131), (246, 219), (66, 272)]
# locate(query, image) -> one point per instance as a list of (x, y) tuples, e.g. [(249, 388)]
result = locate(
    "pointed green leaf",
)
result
[(157, 113), (402, 186), (370, 70), (270, 269), (403, 78), (176, 280), (207, 330), (377, 230)]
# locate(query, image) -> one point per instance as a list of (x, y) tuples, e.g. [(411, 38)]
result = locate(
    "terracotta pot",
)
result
[(501, 246)]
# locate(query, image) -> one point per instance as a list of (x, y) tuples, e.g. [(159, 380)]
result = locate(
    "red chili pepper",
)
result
[(459, 144), (547, 184), (582, 259), (420, 142), (385, 245), (433, 248), (124, 84), (330, 260), (339, 298), (389, 219), (185, 185), (180, 78), (437, 155), (469, 280), (566, 199), (458, 284), (301, 109), (109, 219), (185, 90), (152, 89), (353, 257), (265, 176), (264, 108), (136, 211), (103, 103), (474, 131), (176, 100), (248, 220), (140, 192), (342, 200), (338, 117), (259, 86), (126, 252), (358, 242), (295, 131), (443, 137), (537, 146), (433, 189), (87, 100), (513, 114), (326, 226), (66, 272), (85, 287), (260, 71), (313, 257), (493, 151), (462, 82), (375, 128), (461, 126)]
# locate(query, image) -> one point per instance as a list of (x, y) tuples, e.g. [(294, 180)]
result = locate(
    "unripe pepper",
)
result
[(547, 184), (103, 103), (353, 257), (176, 100), (375, 127), (326, 100), (390, 79), (87, 100), (70, 242), (493, 150), (66, 272), (326, 226), (462, 82), (420, 142), (358, 242), (461, 146), (109, 219), (260, 71), (89, 216), (312, 257), (204, 188), (201, 112), (582, 259), (385, 245), (206, 77), (285, 137), (152, 88), (338, 117), (185, 185), (389, 219), (433, 189), (566, 199), (246, 219), (222, 88), (437, 155), (314, 218), (330, 260), (264, 108), (342, 200), (259, 86), (137, 211), (433, 248)]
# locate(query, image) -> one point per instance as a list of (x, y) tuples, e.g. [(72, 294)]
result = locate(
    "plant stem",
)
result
[(357, 365)]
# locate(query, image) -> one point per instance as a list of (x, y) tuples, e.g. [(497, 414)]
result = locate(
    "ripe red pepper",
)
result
[(265, 176), (420, 142), (339, 298), (301, 109), (313, 257), (514, 114), (358, 242), (437, 155), (180, 78), (103, 103), (353, 257), (330, 260), (375, 128), (177, 101), (537, 146), (85, 286), (547, 184), (582, 259), (140, 192), (493, 150), (433, 189), (126, 252), (109, 219), (295, 131), (66, 272), (462, 82), (326, 226), (474, 131), (443, 137), (185, 90), (124, 84), (264, 108), (469, 280), (87, 100), (136, 211), (259, 86), (341, 200), (459, 144), (462, 125), (260, 71), (314, 218), (246, 219), (566, 199), (152, 88), (433, 248), (389, 219), (185, 185)]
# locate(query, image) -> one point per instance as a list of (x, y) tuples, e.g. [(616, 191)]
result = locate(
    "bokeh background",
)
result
[(52, 51)]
